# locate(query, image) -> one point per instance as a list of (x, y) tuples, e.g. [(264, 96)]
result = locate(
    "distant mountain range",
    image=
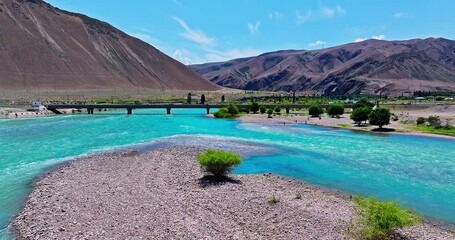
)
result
[(368, 67), (44, 48)]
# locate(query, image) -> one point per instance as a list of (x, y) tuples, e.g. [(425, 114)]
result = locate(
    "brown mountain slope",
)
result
[(44, 48), (371, 67)]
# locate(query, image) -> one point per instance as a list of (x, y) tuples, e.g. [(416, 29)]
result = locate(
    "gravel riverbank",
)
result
[(162, 195)]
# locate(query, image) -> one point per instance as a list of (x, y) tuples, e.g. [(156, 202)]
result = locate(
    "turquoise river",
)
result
[(417, 171)]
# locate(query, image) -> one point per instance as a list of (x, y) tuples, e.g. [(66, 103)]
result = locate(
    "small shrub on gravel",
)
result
[(378, 219), (218, 162), (273, 200), (420, 120), (298, 196), (262, 109)]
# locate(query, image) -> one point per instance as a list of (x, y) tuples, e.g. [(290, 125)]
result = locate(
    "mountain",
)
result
[(45, 48), (368, 67)]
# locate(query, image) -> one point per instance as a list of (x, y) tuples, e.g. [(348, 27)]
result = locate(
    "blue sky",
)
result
[(197, 31)]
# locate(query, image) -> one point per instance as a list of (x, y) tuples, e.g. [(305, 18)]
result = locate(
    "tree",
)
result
[(218, 162), (270, 112), (293, 98), (222, 98), (315, 110), (232, 109), (188, 98), (379, 116), (363, 102), (202, 99), (277, 109), (360, 115), (254, 107), (262, 109), (336, 109)]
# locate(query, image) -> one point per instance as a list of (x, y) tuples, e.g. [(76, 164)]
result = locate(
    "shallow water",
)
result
[(418, 171)]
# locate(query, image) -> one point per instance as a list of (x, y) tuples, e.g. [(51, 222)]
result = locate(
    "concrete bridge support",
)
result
[(168, 110), (90, 110), (208, 111), (130, 111), (287, 110)]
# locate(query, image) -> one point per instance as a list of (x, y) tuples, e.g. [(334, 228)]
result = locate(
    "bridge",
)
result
[(130, 107)]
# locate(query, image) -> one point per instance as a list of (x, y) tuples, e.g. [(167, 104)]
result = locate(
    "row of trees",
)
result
[(362, 112)]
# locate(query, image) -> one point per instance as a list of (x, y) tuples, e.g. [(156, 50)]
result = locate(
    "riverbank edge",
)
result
[(346, 196), (290, 120)]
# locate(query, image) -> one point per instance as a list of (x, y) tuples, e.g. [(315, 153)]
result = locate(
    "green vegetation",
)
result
[(270, 112), (230, 112), (218, 162), (360, 114), (188, 98), (273, 200), (262, 109), (420, 120), (202, 99), (223, 98), (277, 110), (254, 107), (450, 131), (363, 102), (315, 110), (378, 219), (379, 116), (344, 125), (335, 110)]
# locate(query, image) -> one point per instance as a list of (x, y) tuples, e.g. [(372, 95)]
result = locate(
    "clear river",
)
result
[(417, 171)]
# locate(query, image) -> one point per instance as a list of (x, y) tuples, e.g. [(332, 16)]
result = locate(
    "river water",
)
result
[(417, 171)]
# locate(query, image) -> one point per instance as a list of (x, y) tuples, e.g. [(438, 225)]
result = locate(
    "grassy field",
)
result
[(428, 129)]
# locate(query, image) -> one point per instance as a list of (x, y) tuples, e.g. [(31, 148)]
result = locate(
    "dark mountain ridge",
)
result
[(368, 67)]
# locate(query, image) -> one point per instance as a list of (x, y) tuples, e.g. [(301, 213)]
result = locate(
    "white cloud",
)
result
[(317, 43), (182, 56), (378, 37), (276, 16), (323, 12), (400, 15), (254, 28), (359, 39), (302, 18), (194, 35), (219, 56)]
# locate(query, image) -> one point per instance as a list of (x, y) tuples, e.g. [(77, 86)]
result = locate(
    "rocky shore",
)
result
[(162, 194)]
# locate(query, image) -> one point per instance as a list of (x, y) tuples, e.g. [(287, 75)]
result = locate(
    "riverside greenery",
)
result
[(218, 162), (378, 219), (229, 112)]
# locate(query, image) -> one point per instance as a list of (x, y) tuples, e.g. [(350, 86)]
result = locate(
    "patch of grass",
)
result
[(378, 219), (406, 122), (273, 200), (218, 162), (344, 125), (442, 131)]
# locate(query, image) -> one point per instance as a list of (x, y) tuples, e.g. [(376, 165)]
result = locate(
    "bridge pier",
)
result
[(287, 110), (90, 110), (168, 110), (130, 111), (208, 111)]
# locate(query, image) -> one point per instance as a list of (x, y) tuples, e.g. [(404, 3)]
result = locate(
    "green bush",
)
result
[(434, 121), (218, 162), (254, 107), (262, 109), (232, 109), (222, 113), (277, 109), (270, 112), (315, 111), (378, 219), (363, 102), (335, 109), (273, 200), (360, 115), (420, 120), (379, 116)]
